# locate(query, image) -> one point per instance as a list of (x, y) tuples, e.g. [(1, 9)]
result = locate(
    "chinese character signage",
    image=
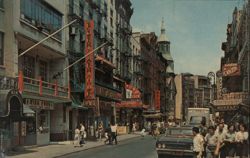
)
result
[(107, 93), (132, 92), (157, 100), (232, 69), (89, 93)]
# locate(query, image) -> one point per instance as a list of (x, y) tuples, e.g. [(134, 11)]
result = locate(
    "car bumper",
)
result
[(174, 152)]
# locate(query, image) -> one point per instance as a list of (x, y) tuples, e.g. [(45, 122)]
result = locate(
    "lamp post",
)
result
[(211, 75)]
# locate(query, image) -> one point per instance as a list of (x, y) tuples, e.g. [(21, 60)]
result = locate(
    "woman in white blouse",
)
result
[(241, 138)]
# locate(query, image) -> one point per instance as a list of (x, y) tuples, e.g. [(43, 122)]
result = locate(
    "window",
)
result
[(43, 70), (111, 21), (1, 4), (28, 66), (1, 48), (42, 14), (111, 13), (64, 114)]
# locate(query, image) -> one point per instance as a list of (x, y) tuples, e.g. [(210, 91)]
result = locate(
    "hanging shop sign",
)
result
[(108, 93), (157, 99), (93, 104), (232, 69), (132, 92), (38, 104), (89, 93), (130, 104)]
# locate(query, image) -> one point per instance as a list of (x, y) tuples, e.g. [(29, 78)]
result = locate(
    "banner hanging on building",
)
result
[(157, 99), (89, 93), (132, 92), (232, 69)]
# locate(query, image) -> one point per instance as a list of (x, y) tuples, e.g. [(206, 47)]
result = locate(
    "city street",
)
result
[(133, 148)]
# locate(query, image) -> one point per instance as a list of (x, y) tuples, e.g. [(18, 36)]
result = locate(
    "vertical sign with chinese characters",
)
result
[(157, 99), (89, 93)]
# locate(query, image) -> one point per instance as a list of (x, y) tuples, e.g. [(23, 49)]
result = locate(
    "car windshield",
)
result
[(179, 132), (196, 120)]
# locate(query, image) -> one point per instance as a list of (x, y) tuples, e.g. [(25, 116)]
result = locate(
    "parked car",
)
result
[(178, 142)]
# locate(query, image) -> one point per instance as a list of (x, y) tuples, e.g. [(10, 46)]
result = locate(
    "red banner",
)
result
[(129, 104), (157, 99), (89, 93), (232, 69), (136, 94)]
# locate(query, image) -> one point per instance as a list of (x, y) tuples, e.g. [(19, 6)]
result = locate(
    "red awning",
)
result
[(130, 104), (105, 61)]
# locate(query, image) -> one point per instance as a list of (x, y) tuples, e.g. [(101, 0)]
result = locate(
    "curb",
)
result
[(94, 147)]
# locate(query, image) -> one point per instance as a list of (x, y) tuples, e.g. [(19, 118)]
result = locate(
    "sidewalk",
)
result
[(63, 148)]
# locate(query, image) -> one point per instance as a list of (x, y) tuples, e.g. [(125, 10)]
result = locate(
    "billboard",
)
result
[(232, 69)]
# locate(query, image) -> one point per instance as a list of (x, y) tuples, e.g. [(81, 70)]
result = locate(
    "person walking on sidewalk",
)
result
[(108, 135), (82, 134), (77, 137), (211, 142), (114, 133), (198, 143), (241, 139), (230, 142), (100, 130)]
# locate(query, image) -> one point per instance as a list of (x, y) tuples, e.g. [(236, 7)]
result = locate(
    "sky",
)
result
[(195, 28)]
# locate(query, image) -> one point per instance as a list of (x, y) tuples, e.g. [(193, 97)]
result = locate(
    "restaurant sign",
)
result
[(232, 69), (108, 93), (89, 93), (39, 104)]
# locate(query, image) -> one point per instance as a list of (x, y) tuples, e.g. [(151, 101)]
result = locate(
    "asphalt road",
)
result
[(133, 148)]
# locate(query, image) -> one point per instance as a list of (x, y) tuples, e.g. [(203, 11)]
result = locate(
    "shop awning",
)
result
[(130, 104), (76, 104), (27, 111), (105, 61), (55, 100), (158, 115)]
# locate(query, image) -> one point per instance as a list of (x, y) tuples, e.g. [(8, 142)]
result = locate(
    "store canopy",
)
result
[(130, 104), (76, 104), (27, 111), (157, 115)]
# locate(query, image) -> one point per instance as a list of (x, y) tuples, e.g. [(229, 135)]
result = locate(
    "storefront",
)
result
[(130, 113), (38, 122), (101, 109), (233, 113), (11, 114)]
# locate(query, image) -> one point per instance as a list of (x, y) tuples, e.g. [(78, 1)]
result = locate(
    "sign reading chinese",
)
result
[(108, 93), (89, 93), (157, 99), (132, 92), (232, 69)]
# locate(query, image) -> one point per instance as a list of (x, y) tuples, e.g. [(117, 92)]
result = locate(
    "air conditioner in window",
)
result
[(73, 31)]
